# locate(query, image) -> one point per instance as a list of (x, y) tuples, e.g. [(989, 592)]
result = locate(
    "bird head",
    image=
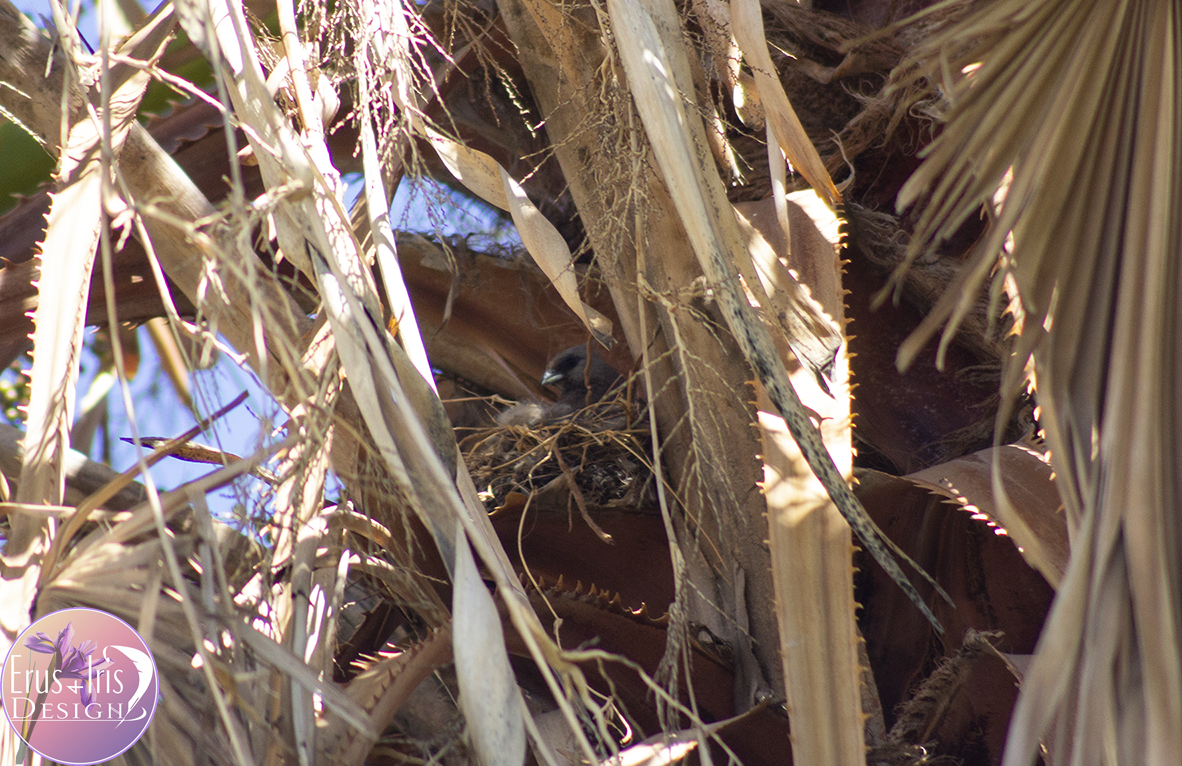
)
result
[(579, 381)]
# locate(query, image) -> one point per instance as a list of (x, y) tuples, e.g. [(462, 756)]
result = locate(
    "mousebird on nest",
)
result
[(581, 383), (588, 443)]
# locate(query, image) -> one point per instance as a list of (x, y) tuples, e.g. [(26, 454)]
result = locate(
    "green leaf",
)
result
[(26, 164)]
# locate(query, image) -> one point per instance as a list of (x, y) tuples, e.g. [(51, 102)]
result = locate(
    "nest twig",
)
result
[(598, 455)]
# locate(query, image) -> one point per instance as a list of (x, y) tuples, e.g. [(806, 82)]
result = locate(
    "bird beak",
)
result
[(550, 377)]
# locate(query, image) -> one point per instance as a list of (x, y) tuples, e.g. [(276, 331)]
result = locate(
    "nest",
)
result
[(597, 456)]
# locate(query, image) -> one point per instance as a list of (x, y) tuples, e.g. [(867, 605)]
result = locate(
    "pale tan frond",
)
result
[(657, 69), (783, 124), (809, 540), (1078, 101)]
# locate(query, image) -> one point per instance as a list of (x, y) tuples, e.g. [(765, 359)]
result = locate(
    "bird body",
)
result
[(580, 383)]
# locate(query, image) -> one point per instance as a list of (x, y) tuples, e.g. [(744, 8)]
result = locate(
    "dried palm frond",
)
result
[(1071, 108), (264, 645)]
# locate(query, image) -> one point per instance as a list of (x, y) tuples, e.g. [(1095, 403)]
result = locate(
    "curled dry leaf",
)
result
[(486, 178)]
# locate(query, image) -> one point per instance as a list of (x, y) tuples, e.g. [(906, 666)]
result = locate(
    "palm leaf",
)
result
[(1074, 105)]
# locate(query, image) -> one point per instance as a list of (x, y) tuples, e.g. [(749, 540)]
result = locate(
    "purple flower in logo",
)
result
[(43, 644), (79, 666), (72, 662)]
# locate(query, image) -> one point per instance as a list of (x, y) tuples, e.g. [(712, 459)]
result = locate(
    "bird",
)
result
[(580, 383)]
